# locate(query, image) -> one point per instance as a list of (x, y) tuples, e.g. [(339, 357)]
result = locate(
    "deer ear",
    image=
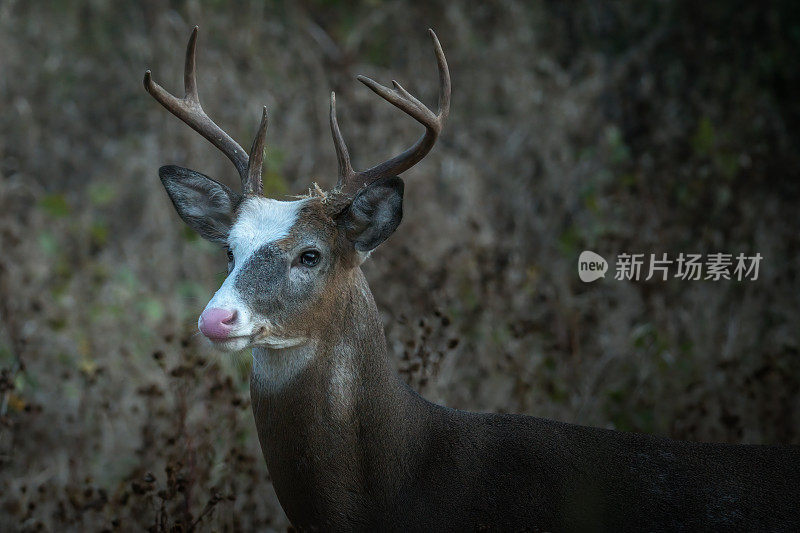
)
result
[(207, 206), (374, 213)]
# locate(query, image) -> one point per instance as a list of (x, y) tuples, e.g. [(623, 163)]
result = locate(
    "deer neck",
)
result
[(330, 411)]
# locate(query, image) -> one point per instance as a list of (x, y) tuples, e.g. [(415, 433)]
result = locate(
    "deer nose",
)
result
[(217, 324)]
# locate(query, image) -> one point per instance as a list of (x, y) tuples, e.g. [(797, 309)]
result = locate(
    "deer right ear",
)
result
[(207, 206), (374, 213)]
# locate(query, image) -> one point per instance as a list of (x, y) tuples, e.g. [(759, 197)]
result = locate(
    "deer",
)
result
[(348, 445)]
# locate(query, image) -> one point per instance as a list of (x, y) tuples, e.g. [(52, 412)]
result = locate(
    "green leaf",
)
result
[(48, 243), (153, 309), (703, 138), (99, 233), (101, 194), (55, 205)]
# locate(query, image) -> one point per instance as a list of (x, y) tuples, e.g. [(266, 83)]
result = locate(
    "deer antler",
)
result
[(350, 181), (189, 110)]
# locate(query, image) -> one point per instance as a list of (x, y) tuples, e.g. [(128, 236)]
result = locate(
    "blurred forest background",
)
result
[(651, 126)]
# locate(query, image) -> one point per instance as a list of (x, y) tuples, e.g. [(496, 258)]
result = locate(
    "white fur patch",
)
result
[(341, 387), (261, 221), (274, 369)]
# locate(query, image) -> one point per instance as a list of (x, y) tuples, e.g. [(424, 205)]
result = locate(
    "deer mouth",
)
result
[(263, 336), (266, 337), (233, 343), (260, 334)]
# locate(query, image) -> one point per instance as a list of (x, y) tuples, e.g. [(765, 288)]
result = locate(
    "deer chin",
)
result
[(262, 337), (231, 344)]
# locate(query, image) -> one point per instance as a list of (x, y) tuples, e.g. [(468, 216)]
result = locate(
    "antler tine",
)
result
[(342, 154), (444, 78), (189, 110), (253, 183), (350, 180), (190, 68)]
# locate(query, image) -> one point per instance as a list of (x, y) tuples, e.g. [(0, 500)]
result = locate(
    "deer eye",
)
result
[(230, 255), (309, 258)]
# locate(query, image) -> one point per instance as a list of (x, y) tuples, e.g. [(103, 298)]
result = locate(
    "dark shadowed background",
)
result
[(647, 127)]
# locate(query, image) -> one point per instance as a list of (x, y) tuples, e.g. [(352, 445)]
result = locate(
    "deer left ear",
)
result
[(374, 213), (207, 206)]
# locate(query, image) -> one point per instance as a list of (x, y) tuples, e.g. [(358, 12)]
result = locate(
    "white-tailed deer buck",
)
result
[(349, 446)]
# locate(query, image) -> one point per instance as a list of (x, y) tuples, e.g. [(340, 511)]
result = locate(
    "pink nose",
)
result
[(216, 324)]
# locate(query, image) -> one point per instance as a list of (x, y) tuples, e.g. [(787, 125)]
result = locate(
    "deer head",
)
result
[(288, 259)]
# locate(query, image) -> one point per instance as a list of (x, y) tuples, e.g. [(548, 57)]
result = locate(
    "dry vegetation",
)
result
[(640, 127)]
